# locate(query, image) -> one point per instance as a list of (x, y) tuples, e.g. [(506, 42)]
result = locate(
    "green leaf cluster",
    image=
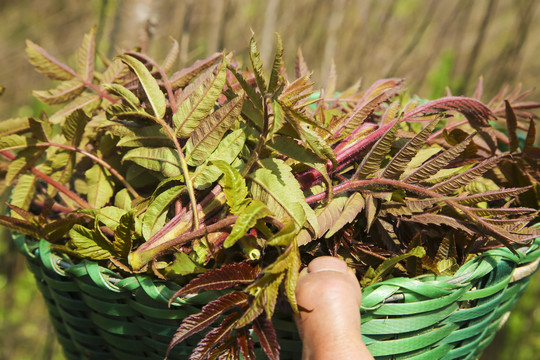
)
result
[(220, 177)]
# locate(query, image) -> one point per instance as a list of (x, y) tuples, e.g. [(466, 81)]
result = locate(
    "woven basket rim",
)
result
[(474, 268)]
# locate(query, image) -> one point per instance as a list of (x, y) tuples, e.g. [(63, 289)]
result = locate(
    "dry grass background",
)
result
[(432, 43)]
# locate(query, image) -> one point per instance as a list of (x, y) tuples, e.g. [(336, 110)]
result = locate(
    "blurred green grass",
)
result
[(431, 43)]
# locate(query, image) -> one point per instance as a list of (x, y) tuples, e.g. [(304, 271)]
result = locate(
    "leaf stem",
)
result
[(185, 170), (262, 139)]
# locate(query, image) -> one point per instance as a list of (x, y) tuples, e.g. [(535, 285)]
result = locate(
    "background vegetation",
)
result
[(429, 42)]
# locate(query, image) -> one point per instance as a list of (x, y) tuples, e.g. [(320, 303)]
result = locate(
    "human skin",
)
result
[(329, 297)]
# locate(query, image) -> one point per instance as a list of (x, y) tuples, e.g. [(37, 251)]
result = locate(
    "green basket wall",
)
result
[(97, 315)]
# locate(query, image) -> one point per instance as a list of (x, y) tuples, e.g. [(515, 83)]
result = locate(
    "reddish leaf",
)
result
[(511, 126), (266, 333), (246, 345), (473, 109), (476, 113), (300, 67), (209, 313), (219, 279), (184, 76), (214, 338), (531, 136), (438, 220)]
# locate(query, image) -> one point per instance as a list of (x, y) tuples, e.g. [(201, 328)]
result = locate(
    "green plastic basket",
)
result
[(97, 315)]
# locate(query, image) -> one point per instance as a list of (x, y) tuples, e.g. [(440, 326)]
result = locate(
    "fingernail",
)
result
[(327, 263)]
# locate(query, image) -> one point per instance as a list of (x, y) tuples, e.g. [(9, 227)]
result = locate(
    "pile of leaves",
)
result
[(222, 178)]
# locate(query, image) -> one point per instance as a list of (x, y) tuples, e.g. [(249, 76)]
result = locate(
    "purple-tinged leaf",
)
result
[(300, 66), (46, 64), (171, 57), (245, 344), (474, 110), (198, 99), (479, 90), (21, 226), (460, 180), (266, 333), (354, 205), (432, 166), (65, 91), (214, 338), (181, 78), (86, 102), (501, 211), (531, 136), (218, 279), (377, 153), (295, 92), (476, 113), (511, 128), (86, 56), (330, 213), (438, 220), (399, 162), (359, 114), (491, 195), (209, 313), (266, 289)]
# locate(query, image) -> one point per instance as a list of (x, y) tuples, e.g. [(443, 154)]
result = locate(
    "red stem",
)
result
[(64, 190)]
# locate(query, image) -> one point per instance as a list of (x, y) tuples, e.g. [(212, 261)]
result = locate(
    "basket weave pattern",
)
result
[(97, 315)]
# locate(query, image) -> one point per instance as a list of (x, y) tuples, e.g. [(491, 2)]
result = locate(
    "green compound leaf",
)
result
[(90, 243), (162, 159), (234, 186), (207, 136), (202, 97), (46, 64), (156, 213), (24, 191), (227, 151), (256, 62), (377, 275), (74, 126), (254, 211), (14, 125), (131, 99), (149, 84), (100, 186), (152, 135), (275, 75), (65, 91), (15, 141), (266, 290), (86, 56), (123, 235), (275, 186), (87, 102)]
